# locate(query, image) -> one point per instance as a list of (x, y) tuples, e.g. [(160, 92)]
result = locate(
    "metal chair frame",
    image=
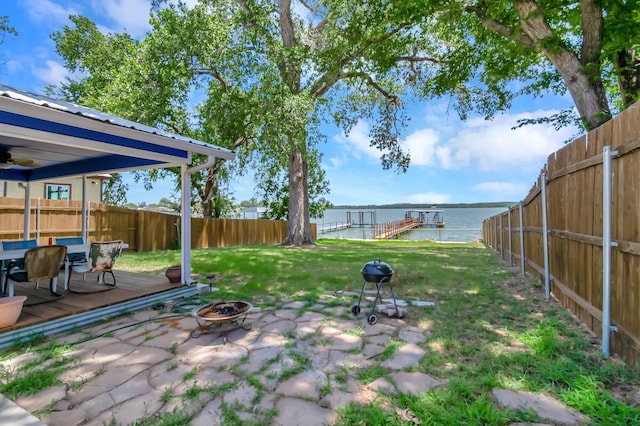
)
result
[(101, 259), (39, 263)]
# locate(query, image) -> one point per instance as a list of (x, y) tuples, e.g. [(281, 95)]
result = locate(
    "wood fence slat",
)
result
[(142, 230), (575, 218)]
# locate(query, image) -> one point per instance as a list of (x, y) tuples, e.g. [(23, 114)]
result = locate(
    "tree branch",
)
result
[(330, 78), (413, 59), (501, 29)]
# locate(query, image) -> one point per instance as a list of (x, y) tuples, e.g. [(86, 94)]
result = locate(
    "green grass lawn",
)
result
[(490, 327)]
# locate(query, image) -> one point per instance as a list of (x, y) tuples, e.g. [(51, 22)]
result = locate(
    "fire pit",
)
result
[(376, 272), (216, 315)]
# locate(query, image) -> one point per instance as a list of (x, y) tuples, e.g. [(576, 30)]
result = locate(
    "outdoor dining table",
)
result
[(71, 248)]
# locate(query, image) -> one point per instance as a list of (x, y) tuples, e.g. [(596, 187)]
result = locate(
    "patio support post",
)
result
[(38, 220), (83, 214), (522, 269), (545, 238), (186, 216), (607, 243), (27, 211)]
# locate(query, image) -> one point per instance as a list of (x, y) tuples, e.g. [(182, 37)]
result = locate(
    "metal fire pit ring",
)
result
[(213, 318)]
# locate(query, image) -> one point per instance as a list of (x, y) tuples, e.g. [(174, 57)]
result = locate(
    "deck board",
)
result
[(130, 286)]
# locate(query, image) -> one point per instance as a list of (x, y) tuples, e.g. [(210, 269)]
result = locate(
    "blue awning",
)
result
[(48, 138)]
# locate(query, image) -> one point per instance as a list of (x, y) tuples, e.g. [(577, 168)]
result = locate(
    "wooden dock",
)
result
[(337, 226), (384, 231)]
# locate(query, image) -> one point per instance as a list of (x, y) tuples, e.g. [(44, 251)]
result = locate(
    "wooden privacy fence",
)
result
[(143, 230), (579, 229)]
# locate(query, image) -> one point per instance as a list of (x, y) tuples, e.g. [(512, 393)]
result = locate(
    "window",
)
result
[(57, 192)]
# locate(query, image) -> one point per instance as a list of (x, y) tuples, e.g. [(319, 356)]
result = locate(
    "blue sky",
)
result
[(452, 161)]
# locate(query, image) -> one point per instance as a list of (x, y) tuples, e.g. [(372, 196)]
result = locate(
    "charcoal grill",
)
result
[(379, 273), (221, 317)]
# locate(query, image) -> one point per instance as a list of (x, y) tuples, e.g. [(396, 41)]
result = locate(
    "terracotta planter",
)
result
[(10, 308), (174, 274)]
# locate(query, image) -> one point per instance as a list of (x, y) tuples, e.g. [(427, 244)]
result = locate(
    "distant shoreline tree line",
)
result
[(429, 206)]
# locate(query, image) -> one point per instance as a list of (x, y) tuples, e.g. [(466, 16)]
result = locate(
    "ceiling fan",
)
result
[(7, 161)]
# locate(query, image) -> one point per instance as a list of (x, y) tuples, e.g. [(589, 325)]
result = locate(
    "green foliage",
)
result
[(6, 30), (486, 54), (263, 85)]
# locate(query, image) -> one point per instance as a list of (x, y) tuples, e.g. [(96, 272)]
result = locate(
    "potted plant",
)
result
[(174, 274), (10, 308)]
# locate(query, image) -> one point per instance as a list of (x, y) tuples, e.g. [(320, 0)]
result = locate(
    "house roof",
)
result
[(64, 139)]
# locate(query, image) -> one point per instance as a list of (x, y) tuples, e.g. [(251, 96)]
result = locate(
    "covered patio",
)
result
[(133, 292), (42, 139)]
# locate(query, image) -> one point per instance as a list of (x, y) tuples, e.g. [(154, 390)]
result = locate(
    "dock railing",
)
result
[(332, 226), (383, 231)]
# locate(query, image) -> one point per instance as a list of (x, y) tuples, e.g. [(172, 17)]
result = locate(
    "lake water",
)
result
[(461, 224)]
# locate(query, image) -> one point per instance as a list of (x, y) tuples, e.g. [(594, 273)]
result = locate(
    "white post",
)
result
[(86, 222), (522, 259), (607, 243), (186, 216), (185, 243), (38, 220), (545, 239), (83, 213), (27, 211)]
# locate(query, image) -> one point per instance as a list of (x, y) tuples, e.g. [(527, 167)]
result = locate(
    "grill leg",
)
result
[(394, 300), (378, 297)]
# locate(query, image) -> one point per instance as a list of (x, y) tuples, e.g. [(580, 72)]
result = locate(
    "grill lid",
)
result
[(377, 268)]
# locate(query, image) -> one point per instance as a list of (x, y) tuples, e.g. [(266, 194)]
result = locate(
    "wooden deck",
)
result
[(388, 230), (130, 286)]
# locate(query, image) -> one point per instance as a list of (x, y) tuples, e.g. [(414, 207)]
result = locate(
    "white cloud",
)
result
[(429, 198), (14, 65), (49, 12), (502, 190), (358, 143), (422, 146), (53, 72), (493, 145), (477, 144), (336, 162), (130, 15)]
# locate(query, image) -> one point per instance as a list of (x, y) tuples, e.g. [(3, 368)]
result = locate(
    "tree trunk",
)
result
[(582, 80), (210, 188), (299, 231), (628, 66)]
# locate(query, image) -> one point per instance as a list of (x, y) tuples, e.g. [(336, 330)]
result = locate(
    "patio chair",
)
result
[(76, 258), (39, 263), (18, 262), (102, 258)]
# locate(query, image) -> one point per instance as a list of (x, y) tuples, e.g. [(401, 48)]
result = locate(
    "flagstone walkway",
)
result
[(293, 367)]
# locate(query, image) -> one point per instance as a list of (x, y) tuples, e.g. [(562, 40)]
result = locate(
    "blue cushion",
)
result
[(73, 257), (15, 245)]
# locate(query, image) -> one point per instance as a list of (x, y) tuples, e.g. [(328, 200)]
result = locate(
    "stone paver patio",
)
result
[(295, 366)]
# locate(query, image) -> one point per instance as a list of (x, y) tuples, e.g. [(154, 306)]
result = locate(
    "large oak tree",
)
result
[(493, 51), (263, 74)]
